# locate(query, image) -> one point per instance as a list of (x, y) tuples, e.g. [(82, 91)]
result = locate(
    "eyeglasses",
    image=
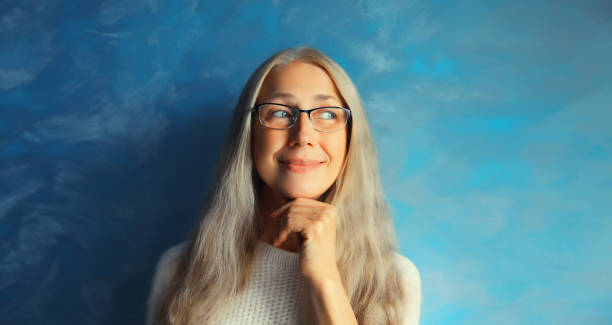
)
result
[(282, 117)]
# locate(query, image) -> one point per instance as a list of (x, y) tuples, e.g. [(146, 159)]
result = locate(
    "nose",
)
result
[(302, 132)]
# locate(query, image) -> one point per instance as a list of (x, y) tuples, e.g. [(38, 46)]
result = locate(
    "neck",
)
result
[(268, 202)]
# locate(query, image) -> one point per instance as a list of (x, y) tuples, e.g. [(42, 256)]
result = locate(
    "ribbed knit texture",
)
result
[(276, 293), (272, 296)]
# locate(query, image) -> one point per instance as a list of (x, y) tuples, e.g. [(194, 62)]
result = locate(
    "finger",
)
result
[(293, 224), (308, 202), (304, 211), (280, 210), (300, 217), (310, 205), (283, 234), (279, 227)]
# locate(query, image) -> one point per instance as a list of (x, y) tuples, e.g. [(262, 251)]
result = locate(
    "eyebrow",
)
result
[(319, 97)]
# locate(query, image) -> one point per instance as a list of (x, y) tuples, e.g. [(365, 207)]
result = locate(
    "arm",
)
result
[(330, 302), (332, 305)]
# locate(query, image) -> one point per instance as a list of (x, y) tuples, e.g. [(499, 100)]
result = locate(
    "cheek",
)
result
[(343, 143), (338, 150), (259, 150), (265, 145)]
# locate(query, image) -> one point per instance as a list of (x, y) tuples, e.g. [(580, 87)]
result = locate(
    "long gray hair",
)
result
[(219, 254)]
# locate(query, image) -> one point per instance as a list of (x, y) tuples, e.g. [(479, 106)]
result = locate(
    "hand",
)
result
[(315, 224)]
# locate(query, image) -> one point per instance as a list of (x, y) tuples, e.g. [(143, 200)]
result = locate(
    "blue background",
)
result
[(492, 120)]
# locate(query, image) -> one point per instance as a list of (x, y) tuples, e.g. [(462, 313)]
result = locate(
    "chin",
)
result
[(294, 192)]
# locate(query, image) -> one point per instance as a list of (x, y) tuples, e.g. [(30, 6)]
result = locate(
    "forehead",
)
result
[(303, 80)]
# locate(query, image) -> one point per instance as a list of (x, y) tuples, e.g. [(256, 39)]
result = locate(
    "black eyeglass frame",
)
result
[(295, 118)]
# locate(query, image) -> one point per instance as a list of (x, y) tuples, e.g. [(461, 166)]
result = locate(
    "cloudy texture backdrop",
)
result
[(492, 121)]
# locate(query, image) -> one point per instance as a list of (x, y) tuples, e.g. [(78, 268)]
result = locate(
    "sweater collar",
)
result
[(273, 256)]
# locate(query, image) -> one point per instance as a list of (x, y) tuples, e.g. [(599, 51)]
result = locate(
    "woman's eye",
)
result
[(326, 115), (280, 114)]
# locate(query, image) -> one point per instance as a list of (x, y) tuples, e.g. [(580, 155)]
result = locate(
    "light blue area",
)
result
[(443, 68), (402, 210), (371, 28), (415, 162), (499, 173), (417, 66), (489, 125), (596, 151), (492, 121), (451, 314), (408, 48)]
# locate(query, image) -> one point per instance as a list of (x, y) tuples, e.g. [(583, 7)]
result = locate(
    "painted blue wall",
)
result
[(492, 120)]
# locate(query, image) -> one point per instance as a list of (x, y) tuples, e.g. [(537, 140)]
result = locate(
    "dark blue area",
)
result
[(106, 156)]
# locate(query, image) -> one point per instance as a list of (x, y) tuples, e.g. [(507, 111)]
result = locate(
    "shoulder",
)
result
[(164, 270), (411, 281), (409, 271), (167, 262), (170, 255)]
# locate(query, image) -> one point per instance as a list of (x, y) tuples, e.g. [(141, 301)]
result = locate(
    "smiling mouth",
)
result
[(300, 165)]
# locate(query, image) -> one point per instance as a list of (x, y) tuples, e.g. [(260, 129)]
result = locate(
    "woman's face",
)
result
[(300, 161)]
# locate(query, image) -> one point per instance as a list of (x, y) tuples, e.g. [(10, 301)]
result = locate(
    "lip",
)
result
[(301, 166)]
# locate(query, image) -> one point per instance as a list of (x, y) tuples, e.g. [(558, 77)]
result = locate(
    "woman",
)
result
[(296, 229)]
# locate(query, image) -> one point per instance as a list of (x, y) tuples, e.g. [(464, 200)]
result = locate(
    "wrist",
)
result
[(326, 282), (331, 304)]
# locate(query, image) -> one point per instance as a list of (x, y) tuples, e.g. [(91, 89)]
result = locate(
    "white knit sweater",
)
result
[(276, 292)]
